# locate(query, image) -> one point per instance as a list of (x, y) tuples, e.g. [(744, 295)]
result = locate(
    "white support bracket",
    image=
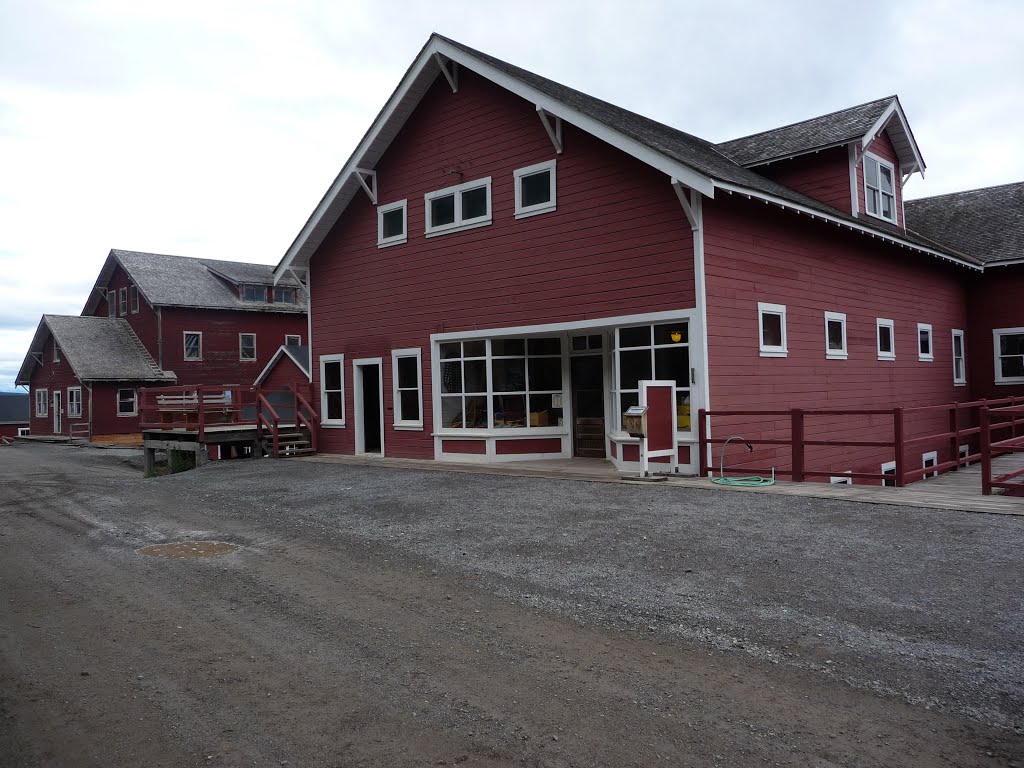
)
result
[(688, 205), (362, 174), (555, 131), (298, 279), (453, 76)]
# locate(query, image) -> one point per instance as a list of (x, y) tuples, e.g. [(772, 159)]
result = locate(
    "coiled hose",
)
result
[(751, 481)]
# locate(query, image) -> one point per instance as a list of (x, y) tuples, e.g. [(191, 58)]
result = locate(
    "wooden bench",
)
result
[(185, 408)]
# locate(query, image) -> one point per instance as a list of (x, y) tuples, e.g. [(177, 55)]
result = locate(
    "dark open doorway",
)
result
[(370, 404), (588, 406)]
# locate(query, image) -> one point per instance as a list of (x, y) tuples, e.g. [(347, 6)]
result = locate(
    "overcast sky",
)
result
[(212, 128)]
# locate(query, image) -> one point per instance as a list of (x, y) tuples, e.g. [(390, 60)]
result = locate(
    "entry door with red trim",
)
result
[(660, 399)]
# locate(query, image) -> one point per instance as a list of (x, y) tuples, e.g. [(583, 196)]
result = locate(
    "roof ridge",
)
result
[(808, 120)]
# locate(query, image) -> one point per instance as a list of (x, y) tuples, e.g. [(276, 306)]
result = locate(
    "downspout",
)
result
[(697, 204), (309, 321), (160, 337)]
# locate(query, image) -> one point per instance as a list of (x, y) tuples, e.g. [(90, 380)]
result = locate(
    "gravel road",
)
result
[(384, 617)]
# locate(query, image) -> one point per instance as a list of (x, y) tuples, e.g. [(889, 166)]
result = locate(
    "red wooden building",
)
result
[(503, 260), (151, 320), (14, 414)]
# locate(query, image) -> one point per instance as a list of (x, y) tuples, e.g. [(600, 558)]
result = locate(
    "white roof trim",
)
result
[(282, 350), (895, 110)]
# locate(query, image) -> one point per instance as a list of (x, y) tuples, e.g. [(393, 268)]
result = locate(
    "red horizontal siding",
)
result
[(143, 322), (996, 302), (54, 376), (824, 175)]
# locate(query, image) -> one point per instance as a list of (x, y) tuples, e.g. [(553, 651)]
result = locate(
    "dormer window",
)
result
[(254, 293), (284, 295), (879, 188)]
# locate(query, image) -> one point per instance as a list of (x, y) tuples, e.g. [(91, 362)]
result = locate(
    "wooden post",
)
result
[(200, 409), (954, 427), (702, 442), (986, 452), (796, 436), (897, 440)]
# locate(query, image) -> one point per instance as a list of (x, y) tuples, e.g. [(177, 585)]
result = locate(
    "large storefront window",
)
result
[(501, 383), (653, 352)]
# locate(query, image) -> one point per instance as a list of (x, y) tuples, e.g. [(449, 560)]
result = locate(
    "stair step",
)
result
[(295, 452)]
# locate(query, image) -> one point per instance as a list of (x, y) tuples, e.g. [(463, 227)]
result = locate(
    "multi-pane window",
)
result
[(123, 295), (126, 403), (879, 188), (56, 352), (924, 342), (42, 402), (959, 365), (648, 352), (889, 470), (1008, 344), (193, 345), (254, 293), (391, 223), (247, 346), (74, 402), (284, 295), (408, 388), (772, 325), (460, 207), (332, 390), (133, 293), (535, 189), (835, 336), (886, 335), (111, 303)]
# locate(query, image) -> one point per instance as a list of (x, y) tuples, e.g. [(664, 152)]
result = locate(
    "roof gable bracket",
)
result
[(362, 175), (688, 205), (453, 76), (555, 132)]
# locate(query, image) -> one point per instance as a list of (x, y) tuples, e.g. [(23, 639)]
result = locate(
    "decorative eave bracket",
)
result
[(362, 176), (451, 76), (554, 131), (689, 205)]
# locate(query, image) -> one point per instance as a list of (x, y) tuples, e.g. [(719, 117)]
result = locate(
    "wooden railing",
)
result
[(991, 449), (305, 415), (264, 410)]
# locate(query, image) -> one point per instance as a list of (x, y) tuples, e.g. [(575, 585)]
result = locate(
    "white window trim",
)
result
[(111, 303), (56, 351), (133, 298), (72, 414), (533, 210), (836, 354), (254, 353), (889, 466), (43, 398), (324, 421), (925, 457), (122, 301), (296, 336), (415, 352), (964, 450), (24, 431), (459, 224), (843, 479), (403, 205), (881, 322), (768, 350), (960, 381), (135, 402), (184, 346), (999, 378), (931, 342), (895, 181)]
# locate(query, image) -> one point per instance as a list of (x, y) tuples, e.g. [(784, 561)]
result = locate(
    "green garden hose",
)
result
[(746, 482)]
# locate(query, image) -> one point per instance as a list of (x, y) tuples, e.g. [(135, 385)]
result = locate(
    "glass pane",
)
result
[(1012, 365), (673, 363), (675, 333), (579, 343), (872, 200), (835, 335), (925, 342), (635, 337), (958, 346), (407, 373), (476, 412), (595, 341), (451, 349), (886, 176), (548, 346), (451, 376), (474, 203), (771, 329), (884, 339), (334, 405), (508, 347), (451, 412), (541, 412), (1011, 344), (410, 404), (474, 348), (535, 188), (958, 368), (887, 211), (871, 171), (332, 376), (633, 367), (475, 372), (393, 223), (509, 411), (683, 410), (442, 211), (509, 374), (545, 374), (626, 400)]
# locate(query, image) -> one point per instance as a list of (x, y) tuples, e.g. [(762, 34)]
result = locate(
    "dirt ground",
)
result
[(378, 617)]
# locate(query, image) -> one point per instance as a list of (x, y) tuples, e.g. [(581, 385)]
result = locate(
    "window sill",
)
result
[(928, 359), (526, 213), (887, 358), (126, 415), (1009, 382), (389, 243), (482, 434), (457, 228), (409, 427), (959, 383), (837, 356), (880, 217), (332, 424), (774, 353)]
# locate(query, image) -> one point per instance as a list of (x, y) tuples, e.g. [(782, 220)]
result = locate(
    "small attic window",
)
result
[(879, 188), (254, 293), (284, 295)]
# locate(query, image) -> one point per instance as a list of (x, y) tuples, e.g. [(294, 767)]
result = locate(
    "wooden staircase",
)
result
[(294, 441)]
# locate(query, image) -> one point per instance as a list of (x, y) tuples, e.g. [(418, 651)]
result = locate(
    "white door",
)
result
[(57, 415)]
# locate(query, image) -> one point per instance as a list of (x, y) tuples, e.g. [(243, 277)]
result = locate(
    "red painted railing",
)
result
[(992, 449)]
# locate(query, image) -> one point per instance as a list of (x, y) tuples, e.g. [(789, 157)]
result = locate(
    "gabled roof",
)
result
[(297, 354), (96, 348), (692, 161), (985, 223), (14, 408), (180, 281)]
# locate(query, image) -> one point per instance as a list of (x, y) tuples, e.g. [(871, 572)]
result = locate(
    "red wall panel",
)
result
[(474, 447), (54, 376), (143, 322), (824, 175), (996, 302), (533, 445), (881, 147)]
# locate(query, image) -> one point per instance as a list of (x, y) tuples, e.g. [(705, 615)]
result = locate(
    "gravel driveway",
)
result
[(767, 629)]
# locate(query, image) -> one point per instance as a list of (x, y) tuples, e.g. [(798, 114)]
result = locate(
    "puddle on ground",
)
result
[(189, 549)]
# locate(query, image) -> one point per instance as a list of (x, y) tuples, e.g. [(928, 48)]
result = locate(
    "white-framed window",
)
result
[(133, 296), (889, 468), (930, 459), (407, 383), (460, 207), (392, 223), (254, 293), (42, 402), (835, 336), (74, 402), (332, 390), (646, 352), (123, 300), (246, 347), (885, 334), (292, 340), (111, 303), (284, 295), (841, 479), (24, 431), (1008, 346), (879, 188), (959, 359), (771, 323), (535, 189), (127, 405), (193, 345), (925, 350), (56, 351)]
